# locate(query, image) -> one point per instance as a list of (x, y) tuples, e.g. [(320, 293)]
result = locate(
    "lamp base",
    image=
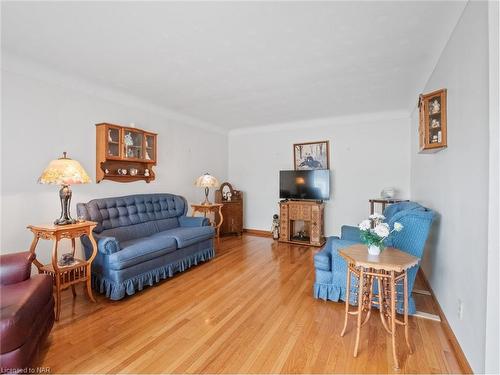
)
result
[(65, 197), (64, 221), (206, 202)]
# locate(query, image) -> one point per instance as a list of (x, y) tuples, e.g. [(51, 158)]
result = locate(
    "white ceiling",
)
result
[(241, 64)]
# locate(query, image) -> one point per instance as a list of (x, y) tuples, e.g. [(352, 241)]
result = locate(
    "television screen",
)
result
[(307, 184)]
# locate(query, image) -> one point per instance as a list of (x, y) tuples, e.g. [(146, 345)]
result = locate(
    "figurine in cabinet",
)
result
[(435, 106)]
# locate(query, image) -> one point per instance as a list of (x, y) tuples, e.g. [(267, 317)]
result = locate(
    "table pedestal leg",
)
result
[(89, 268), (360, 309), (73, 248), (370, 297), (57, 279), (32, 251), (347, 296), (219, 224), (381, 303), (405, 285), (393, 319)]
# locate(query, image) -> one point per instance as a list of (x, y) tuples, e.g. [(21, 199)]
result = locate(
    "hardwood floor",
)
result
[(249, 310)]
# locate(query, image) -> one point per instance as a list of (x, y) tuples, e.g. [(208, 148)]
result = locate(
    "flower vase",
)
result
[(373, 250)]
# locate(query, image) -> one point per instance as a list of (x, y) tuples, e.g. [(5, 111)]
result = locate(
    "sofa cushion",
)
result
[(186, 236), (140, 250), (20, 305)]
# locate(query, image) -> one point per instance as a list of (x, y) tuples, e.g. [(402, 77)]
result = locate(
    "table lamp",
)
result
[(65, 172), (207, 181)]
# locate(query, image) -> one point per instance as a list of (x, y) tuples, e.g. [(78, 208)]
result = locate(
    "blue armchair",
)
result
[(331, 268)]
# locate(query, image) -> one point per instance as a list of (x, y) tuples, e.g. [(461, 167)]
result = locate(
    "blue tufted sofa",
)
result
[(142, 239), (331, 268)]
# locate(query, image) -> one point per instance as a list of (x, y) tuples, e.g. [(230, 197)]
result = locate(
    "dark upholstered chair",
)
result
[(27, 311)]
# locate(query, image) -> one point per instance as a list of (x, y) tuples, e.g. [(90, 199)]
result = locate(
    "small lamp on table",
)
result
[(65, 172), (207, 181)]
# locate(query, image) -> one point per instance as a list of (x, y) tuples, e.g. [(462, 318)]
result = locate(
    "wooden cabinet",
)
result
[(302, 222), (432, 128), (124, 154), (232, 209)]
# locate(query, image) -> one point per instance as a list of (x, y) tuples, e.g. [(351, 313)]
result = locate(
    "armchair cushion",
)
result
[(393, 209), (186, 221), (350, 233), (21, 304), (15, 267)]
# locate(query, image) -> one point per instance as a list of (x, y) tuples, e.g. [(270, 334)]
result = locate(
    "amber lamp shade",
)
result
[(207, 181), (64, 172)]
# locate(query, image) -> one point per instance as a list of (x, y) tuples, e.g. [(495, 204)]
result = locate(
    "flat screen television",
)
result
[(306, 184)]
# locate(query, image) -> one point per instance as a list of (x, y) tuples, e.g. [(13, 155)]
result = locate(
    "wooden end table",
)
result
[(65, 276), (207, 208), (388, 268)]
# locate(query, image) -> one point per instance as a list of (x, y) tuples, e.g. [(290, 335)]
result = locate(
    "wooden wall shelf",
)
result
[(432, 127), (121, 148)]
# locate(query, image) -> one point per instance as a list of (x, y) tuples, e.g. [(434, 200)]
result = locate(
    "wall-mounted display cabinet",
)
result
[(124, 154), (432, 129)]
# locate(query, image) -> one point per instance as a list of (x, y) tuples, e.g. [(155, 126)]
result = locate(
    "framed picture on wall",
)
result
[(311, 155)]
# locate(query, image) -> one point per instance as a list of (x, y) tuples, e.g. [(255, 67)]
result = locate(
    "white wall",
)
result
[(45, 113), (492, 362), (367, 153), (454, 182)]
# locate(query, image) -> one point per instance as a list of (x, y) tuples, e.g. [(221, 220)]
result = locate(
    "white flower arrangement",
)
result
[(374, 231)]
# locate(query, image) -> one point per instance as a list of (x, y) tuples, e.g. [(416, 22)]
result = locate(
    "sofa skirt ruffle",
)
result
[(330, 292), (116, 291)]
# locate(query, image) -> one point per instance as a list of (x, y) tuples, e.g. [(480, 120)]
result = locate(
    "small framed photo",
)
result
[(311, 155)]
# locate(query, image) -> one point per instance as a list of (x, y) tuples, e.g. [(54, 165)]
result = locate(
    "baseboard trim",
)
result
[(452, 339), (258, 232)]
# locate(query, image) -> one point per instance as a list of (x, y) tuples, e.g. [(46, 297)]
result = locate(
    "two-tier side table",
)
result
[(388, 269), (65, 276), (207, 208)]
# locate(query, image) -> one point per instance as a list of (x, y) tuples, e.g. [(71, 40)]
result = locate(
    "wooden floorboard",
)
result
[(249, 310)]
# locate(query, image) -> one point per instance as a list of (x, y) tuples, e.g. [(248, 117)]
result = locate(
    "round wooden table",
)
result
[(388, 268)]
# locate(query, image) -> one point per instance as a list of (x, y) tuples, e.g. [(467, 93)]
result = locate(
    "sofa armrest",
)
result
[(186, 221), (323, 258), (350, 233), (105, 245), (15, 267), (108, 245)]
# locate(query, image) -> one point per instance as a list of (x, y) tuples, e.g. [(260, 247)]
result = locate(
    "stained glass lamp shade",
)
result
[(207, 181), (65, 172)]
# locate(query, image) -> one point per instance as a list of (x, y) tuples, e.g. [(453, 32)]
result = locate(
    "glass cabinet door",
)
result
[(132, 141), (434, 119), (113, 142), (150, 147)]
